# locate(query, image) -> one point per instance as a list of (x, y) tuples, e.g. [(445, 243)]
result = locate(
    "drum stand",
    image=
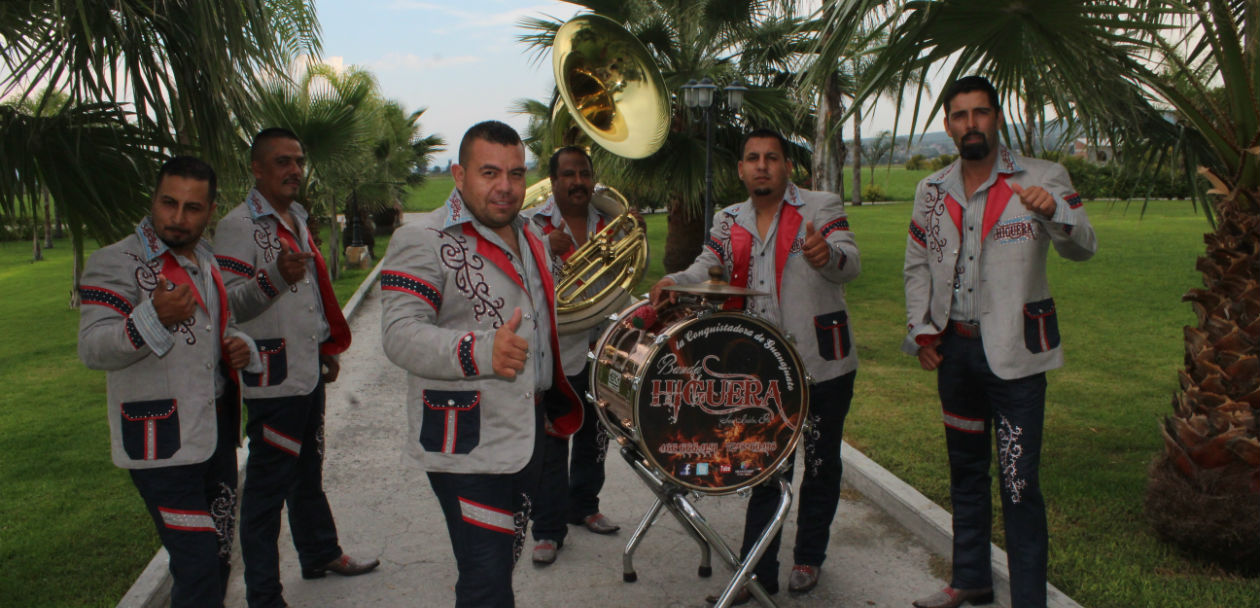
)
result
[(674, 498)]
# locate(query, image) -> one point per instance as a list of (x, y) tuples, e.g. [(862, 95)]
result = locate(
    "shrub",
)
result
[(873, 193)]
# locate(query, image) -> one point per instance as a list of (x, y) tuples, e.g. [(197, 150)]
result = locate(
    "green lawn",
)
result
[(73, 530), (431, 195)]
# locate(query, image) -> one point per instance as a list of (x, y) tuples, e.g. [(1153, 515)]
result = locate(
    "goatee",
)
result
[(974, 151), (761, 191)]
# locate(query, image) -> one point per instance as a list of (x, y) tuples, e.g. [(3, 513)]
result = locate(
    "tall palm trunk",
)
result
[(48, 232), (829, 148), (1204, 488), (76, 240), (37, 254), (857, 155)]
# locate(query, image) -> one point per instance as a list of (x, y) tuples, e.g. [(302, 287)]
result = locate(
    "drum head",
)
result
[(721, 402)]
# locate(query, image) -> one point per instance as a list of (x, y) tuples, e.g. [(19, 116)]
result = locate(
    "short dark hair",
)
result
[(268, 134), (553, 165), (967, 84), (764, 133), (190, 167), (492, 131)]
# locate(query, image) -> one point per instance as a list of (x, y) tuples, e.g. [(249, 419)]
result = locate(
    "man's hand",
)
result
[(817, 251), (237, 352), (172, 305), (560, 241), (929, 358), (1036, 199), (292, 264), (659, 297), (329, 368), (510, 350)]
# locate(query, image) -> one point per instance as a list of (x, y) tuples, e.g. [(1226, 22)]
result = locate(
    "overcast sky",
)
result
[(460, 59)]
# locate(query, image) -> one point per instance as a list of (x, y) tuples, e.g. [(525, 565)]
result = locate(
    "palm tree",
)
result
[(142, 77), (754, 41), (1124, 69)]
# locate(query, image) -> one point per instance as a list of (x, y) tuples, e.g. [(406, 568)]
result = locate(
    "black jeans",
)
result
[(194, 509), (974, 402), (569, 487), (285, 468), (820, 487), (486, 517)]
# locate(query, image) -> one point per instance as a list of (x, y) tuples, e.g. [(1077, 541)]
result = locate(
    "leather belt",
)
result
[(965, 329)]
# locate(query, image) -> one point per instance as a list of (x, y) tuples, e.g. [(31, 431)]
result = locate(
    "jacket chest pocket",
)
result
[(150, 429), (451, 422), (1041, 326), (275, 362), (832, 331)]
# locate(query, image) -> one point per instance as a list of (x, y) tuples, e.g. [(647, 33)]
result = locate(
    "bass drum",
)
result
[(714, 400)]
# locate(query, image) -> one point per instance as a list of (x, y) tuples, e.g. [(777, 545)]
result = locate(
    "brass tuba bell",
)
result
[(612, 92)]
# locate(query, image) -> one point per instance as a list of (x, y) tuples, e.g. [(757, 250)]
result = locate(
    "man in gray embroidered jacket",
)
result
[(282, 294), (980, 314), (155, 316), (469, 311), (795, 245)]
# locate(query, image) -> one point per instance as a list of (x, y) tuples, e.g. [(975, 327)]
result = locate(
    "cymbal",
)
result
[(714, 289)]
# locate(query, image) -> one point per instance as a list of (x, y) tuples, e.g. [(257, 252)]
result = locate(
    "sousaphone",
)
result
[(611, 93)]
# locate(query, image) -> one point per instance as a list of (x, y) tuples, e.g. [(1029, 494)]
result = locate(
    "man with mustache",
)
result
[(981, 315), (281, 291), (795, 245), (468, 309), (569, 490), (155, 317)]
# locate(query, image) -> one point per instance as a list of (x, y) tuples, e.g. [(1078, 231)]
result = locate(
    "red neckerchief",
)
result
[(741, 253), (994, 204), (338, 329), (175, 273), (571, 421)]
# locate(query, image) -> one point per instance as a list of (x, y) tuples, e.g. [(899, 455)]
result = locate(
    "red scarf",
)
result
[(339, 330), (994, 204), (741, 253)]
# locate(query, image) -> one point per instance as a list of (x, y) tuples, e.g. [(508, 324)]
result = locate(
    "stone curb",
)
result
[(927, 520), (152, 588)]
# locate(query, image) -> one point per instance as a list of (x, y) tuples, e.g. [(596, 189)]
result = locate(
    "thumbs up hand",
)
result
[(292, 264), (510, 350), (172, 305), (817, 251)]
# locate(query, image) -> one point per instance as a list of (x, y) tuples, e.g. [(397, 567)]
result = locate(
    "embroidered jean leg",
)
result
[(820, 480), (177, 502), (310, 517), (274, 431), (220, 487), (551, 499), (590, 448), (761, 505), (967, 429), (1019, 407), (482, 529)]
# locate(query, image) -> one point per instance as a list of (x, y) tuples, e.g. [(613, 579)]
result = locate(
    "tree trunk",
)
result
[(334, 242), (857, 156), (59, 224), (829, 148), (1203, 489), (76, 240), (683, 239), (48, 234), (37, 254)]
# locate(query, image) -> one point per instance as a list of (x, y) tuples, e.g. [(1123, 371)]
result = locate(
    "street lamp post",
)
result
[(702, 95)]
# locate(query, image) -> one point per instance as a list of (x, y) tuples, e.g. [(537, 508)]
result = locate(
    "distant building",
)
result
[(1099, 153)]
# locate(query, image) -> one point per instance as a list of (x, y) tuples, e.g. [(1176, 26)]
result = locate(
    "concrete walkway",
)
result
[(384, 508)]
